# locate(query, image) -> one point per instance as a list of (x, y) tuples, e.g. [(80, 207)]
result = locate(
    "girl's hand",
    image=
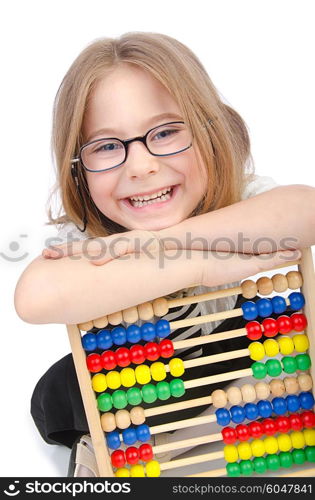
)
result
[(104, 249)]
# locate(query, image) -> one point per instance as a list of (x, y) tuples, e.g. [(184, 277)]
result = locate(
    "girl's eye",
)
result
[(107, 147), (164, 134)]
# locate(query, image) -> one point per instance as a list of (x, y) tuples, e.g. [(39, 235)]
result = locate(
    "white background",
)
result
[(259, 54)]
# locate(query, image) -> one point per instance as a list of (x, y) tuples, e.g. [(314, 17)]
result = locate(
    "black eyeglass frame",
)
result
[(126, 143)]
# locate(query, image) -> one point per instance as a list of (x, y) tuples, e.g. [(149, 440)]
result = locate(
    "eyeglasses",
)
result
[(108, 153)]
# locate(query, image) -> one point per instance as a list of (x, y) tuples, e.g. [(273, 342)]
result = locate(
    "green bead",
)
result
[(298, 457), (273, 462), (233, 470), (273, 367), (289, 364), (286, 459), (259, 370), (134, 396), (260, 465), (104, 402), (119, 399), (177, 387), (149, 393), (163, 390), (303, 362), (247, 467), (310, 453)]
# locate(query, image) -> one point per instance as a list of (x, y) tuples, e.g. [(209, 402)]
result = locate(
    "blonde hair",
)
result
[(219, 132)]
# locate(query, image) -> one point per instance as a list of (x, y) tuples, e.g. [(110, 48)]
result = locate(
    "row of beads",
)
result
[(278, 283), (271, 462), (264, 408), (128, 377), (134, 396), (262, 390), (273, 367), (268, 426), (270, 445), (129, 436), (132, 455), (123, 357), (271, 327), (284, 345), (276, 305), (151, 469)]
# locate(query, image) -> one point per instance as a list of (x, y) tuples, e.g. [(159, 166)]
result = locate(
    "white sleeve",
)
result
[(259, 184), (69, 232)]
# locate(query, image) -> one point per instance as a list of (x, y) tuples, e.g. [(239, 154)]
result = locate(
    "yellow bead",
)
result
[(286, 345), (137, 471), (143, 374), (298, 440), (284, 442), (244, 450), (271, 444), (152, 469), (128, 378), (123, 472), (271, 347), (113, 380), (309, 436), (230, 453), (176, 367), (158, 371), (301, 342), (258, 448), (99, 382), (256, 351)]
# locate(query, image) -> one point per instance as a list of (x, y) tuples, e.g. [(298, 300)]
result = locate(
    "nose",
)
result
[(140, 162)]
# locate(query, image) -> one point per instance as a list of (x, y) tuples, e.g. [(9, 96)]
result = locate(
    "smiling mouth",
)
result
[(159, 197)]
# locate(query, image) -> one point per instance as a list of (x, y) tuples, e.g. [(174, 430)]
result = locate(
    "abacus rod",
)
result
[(222, 472), (196, 441), (221, 377), (181, 462), (182, 405), (214, 358), (207, 339), (182, 424)]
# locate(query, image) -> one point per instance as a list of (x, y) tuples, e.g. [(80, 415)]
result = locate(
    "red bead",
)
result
[(284, 324), (270, 426), (132, 455), (256, 429), (166, 348), (229, 435), (108, 360), (296, 422), (270, 327), (122, 356), (118, 458), (283, 424), (242, 432), (137, 354), (308, 418), (254, 330), (299, 322), (146, 452), (152, 351), (94, 363)]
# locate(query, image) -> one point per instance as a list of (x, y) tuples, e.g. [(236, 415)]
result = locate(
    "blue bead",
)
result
[(293, 403), (129, 436), (162, 328), (306, 400), (89, 342), (279, 304), (104, 339), (148, 332), (143, 433), (264, 307), (133, 334), (223, 416), (279, 406), (250, 311), (297, 301), (251, 411), (264, 408), (113, 440), (238, 414), (119, 335)]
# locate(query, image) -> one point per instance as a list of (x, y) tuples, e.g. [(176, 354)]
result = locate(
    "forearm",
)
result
[(281, 218)]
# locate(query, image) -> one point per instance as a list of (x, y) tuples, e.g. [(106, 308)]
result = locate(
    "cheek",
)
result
[(99, 187)]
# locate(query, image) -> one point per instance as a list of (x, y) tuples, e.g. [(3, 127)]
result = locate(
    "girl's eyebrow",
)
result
[(113, 132)]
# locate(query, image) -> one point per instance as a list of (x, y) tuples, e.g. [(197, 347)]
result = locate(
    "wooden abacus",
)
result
[(272, 414)]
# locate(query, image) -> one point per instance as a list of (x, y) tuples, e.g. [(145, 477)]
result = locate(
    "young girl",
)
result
[(155, 170)]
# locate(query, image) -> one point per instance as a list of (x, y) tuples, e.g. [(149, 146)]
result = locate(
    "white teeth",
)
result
[(150, 202), (151, 196)]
